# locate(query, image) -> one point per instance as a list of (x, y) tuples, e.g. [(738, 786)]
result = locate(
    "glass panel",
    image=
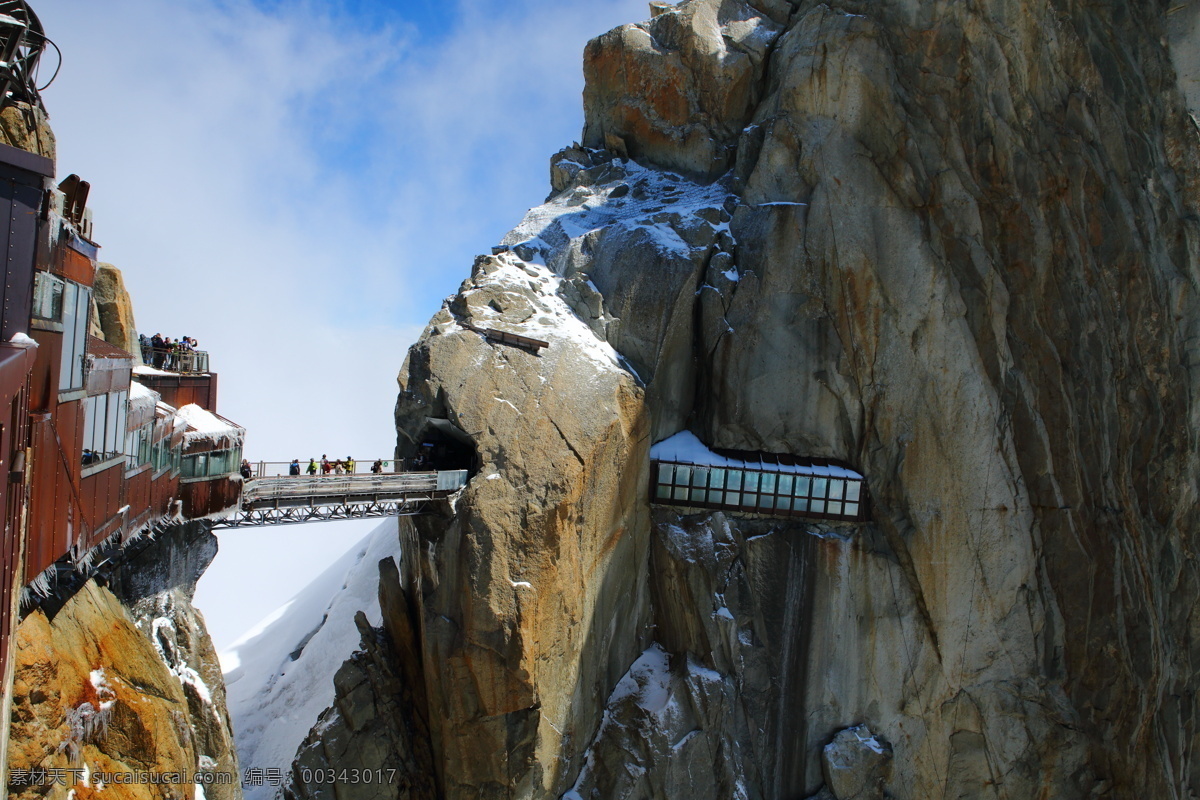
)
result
[(89, 428), (750, 500), (800, 505), (852, 489), (750, 484), (716, 497), (785, 484), (766, 501), (733, 499), (700, 476), (67, 369), (683, 475), (803, 484), (835, 489), (767, 485), (716, 478), (176, 457), (681, 493), (783, 504), (699, 495), (851, 509), (820, 485), (47, 296), (834, 507), (733, 479), (665, 472), (663, 492), (816, 506), (83, 299)]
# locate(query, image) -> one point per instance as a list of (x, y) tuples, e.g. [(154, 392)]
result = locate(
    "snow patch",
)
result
[(21, 338), (687, 448)]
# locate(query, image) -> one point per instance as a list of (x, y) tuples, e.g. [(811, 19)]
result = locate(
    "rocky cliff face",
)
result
[(118, 694), (112, 319), (954, 245)]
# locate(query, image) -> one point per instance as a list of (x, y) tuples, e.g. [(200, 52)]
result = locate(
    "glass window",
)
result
[(834, 508), (663, 492), (716, 478), (767, 485), (800, 505), (766, 501), (733, 479), (820, 486), (665, 472), (803, 485), (783, 504), (750, 484), (76, 308), (816, 506), (851, 509), (681, 493), (699, 495), (716, 497), (700, 477), (835, 489), (785, 484), (852, 490), (47, 296), (683, 476), (733, 499)]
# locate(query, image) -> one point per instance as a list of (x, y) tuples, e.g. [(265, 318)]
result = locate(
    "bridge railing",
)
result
[(267, 469), (351, 486)]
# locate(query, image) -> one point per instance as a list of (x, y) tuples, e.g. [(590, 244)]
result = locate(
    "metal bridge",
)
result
[(287, 500)]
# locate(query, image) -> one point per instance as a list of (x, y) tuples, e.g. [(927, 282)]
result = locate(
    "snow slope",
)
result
[(279, 674)]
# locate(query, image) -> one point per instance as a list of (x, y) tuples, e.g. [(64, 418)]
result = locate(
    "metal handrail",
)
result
[(293, 486), (267, 469), (170, 359)]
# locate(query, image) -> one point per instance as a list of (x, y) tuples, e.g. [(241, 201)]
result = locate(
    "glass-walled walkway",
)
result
[(685, 473)]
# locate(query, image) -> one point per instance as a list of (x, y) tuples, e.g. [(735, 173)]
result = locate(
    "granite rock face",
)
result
[(956, 246), (112, 319), (125, 681), (28, 128)]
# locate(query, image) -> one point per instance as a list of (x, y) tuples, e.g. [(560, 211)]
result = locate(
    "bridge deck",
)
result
[(291, 500)]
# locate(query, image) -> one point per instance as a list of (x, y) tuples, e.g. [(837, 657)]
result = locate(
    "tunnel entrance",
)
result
[(442, 446)]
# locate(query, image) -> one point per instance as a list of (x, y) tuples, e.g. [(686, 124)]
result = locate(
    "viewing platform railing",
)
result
[(185, 362)]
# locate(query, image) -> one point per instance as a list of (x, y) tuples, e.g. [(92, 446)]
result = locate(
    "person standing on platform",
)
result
[(294, 467), (312, 466), (377, 467), (325, 465), (246, 470), (349, 465)]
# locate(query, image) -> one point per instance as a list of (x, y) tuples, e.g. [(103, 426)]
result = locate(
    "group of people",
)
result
[(167, 351), (336, 467)]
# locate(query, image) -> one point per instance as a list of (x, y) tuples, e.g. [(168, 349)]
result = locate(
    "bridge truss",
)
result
[(323, 513), (295, 500)]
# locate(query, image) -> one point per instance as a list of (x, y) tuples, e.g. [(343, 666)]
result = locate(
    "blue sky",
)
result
[(299, 184)]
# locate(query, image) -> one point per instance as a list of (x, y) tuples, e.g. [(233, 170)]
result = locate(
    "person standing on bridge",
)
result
[(246, 470), (325, 465), (312, 466), (294, 467), (349, 465), (377, 467)]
